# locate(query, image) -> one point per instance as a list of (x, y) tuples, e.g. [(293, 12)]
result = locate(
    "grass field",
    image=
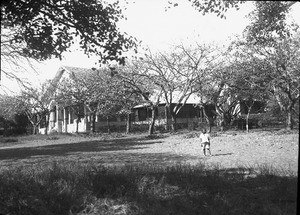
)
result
[(249, 173)]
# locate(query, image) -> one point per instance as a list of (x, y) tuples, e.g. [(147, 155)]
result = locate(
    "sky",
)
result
[(158, 29)]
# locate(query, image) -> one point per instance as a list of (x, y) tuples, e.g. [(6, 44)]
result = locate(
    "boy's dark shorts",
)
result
[(205, 145)]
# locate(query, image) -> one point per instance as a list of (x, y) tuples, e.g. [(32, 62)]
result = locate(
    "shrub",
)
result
[(8, 140)]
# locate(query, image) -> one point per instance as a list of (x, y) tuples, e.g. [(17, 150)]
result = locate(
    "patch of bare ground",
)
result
[(232, 149)]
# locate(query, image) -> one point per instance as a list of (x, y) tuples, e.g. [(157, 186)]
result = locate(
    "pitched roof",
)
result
[(193, 99), (76, 71)]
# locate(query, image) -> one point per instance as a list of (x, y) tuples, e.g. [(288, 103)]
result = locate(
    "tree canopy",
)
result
[(267, 18), (218, 7), (46, 28), (268, 22)]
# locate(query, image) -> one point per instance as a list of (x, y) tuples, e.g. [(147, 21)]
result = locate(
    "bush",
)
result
[(16, 126), (8, 140)]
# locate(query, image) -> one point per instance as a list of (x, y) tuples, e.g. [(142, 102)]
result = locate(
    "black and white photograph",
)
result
[(149, 107)]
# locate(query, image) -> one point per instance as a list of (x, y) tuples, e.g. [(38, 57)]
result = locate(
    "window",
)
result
[(142, 114)]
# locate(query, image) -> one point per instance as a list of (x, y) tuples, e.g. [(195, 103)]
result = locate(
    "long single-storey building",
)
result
[(63, 119)]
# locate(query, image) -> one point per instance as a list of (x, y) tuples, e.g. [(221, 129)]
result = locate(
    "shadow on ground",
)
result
[(110, 152), (79, 147), (222, 154)]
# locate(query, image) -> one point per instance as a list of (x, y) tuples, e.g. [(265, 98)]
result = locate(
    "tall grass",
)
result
[(75, 188)]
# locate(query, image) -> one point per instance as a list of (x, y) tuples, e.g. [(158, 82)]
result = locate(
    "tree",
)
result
[(41, 29), (71, 95), (176, 74), (278, 43), (164, 71), (279, 70), (268, 19), (134, 76), (213, 88), (14, 64), (99, 90), (247, 84), (7, 111), (34, 103), (267, 15), (218, 7), (111, 104), (91, 87), (122, 98), (285, 75), (222, 97), (7, 107), (268, 22)]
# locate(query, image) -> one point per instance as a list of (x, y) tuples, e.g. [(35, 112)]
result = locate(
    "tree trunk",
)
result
[(247, 118), (107, 123), (128, 123), (152, 123), (210, 123), (174, 123), (34, 121), (221, 121), (77, 122), (224, 121), (5, 126), (167, 111), (34, 131), (289, 120), (47, 124), (222, 124), (92, 123), (287, 110), (247, 122), (209, 120)]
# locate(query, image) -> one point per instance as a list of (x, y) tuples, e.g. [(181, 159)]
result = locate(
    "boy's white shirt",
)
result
[(204, 137)]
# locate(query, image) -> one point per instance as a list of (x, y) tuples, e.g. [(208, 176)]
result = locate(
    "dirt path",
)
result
[(230, 150)]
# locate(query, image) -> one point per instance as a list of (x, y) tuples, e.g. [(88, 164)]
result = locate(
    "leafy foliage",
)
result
[(12, 119), (219, 7), (34, 103), (101, 91), (277, 70), (177, 74), (269, 22), (49, 27), (268, 17), (8, 106)]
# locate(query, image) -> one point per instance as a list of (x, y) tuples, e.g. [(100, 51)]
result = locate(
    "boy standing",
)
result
[(205, 141)]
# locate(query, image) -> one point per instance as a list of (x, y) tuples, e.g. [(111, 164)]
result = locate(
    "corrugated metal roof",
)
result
[(78, 71), (193, 99), (176, 96)]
